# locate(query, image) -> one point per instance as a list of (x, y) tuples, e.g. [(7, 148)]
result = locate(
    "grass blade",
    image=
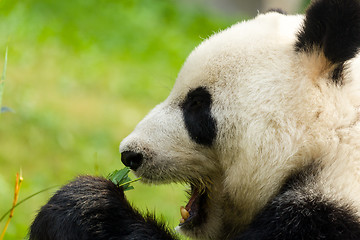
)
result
[(25, 199), (3, 77)]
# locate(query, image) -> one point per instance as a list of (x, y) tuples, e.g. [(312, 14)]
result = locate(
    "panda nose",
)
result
[(132, 159)]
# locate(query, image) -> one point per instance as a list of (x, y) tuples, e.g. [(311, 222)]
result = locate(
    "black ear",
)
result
[(332, 27)]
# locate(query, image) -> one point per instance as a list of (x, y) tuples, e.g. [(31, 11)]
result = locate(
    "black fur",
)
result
[(297, 215), (199, 122), (93, 208), (337, 74), (332, 26)]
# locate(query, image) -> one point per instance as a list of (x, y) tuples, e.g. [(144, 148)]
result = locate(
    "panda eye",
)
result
[(195, 103), (199, 122), (196, 100)]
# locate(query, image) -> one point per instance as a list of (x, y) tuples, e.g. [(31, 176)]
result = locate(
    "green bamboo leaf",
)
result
[(118, 176), (128, 188), (121, 178)]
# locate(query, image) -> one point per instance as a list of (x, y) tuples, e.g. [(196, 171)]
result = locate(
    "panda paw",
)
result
[(93, 208)]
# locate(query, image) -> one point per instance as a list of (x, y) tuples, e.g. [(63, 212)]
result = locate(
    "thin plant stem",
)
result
[(19, 180), (27, 198), (127, 183)]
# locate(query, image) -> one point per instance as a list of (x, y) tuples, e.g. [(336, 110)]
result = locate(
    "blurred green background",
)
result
[(81, 74)]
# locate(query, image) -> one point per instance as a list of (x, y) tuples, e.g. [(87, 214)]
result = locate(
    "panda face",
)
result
[(205, 133), (241, 117)]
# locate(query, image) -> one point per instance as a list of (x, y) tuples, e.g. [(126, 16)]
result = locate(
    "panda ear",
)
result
[(331, 28)]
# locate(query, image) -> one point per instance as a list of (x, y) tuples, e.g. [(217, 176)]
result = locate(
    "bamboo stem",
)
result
[(125, 184)]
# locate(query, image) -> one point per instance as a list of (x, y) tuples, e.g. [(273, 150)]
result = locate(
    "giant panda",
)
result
[(263, 123)]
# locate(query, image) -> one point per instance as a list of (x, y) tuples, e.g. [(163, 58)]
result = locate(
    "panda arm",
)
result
[(311, 219), (298, 213), (93, 208)]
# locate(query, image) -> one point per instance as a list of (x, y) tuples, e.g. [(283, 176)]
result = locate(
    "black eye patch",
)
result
[(199, 123)]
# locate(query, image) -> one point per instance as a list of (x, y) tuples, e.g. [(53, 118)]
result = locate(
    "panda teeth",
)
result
[(184, 214)]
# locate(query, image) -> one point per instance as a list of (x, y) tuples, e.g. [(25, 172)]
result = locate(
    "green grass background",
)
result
[(81, 74)]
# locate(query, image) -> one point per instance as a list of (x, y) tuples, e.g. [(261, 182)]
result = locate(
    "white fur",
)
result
[(275, 112)]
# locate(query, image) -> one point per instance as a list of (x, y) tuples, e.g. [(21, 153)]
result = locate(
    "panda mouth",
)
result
[(193, 214)]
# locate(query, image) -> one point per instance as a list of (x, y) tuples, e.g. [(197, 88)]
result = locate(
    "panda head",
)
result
[(251, 105)]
